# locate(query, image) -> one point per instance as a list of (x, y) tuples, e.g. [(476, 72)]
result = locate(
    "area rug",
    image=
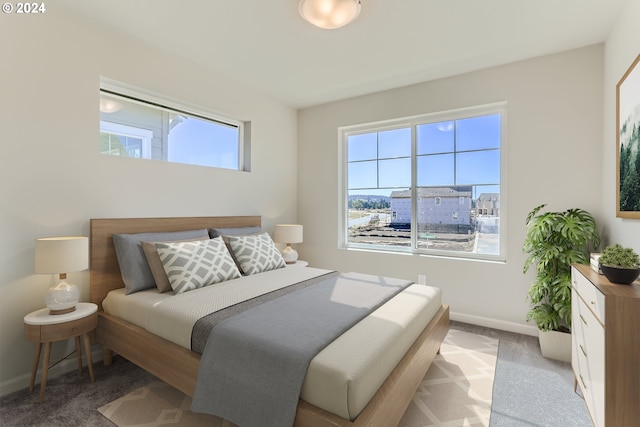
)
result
[(455, 392)]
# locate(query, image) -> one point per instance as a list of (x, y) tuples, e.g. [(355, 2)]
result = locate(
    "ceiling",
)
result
[(393, 43)]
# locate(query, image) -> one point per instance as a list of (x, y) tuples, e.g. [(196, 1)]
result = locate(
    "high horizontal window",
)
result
[(134, 125), (428, 184)]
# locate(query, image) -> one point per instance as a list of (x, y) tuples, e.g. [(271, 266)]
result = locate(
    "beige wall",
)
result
[(553, 144), (54, 180), (621, 49)]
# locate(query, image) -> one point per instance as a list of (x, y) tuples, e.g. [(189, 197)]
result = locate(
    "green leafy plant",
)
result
[(554, 241), (617, 256)]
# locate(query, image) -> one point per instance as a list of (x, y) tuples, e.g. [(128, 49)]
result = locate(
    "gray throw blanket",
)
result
[(254, 363)]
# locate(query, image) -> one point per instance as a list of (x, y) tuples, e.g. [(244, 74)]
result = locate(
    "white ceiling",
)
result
[(267, 45)]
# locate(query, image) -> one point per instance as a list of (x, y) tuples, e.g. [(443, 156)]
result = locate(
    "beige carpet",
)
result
[(455, 392)]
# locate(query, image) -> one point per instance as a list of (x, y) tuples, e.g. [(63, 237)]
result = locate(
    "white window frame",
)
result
[(123, 130), (412, 122)]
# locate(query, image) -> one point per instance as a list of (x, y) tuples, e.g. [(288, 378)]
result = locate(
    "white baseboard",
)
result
[(494, 323), (70, 364)]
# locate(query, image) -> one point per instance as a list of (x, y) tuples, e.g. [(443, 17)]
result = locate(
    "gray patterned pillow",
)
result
[(256, 253), (192, 265)]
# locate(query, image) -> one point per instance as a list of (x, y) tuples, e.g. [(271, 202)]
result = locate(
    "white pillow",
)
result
[(193, 265), (256, 253)]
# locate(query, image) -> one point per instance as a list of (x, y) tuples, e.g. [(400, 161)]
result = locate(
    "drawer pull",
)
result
[(593, 303), (582, 318), (583, 352), (74, 329), (582, 381)]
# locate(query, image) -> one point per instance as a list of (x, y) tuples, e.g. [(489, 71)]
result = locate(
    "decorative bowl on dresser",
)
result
[(606, 347)]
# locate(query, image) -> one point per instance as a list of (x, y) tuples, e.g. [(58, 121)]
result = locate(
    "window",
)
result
[(429, 184), (134, 124)]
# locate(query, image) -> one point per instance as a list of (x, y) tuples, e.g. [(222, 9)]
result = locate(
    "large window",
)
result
[(142, 126), (428, 184)]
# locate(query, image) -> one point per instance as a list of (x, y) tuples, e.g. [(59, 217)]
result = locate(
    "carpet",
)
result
[(456, 391)]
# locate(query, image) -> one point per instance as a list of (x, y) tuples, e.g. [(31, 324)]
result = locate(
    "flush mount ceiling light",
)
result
[(329, 14)]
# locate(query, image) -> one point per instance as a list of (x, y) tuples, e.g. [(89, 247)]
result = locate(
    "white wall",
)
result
[(621, 49), (53, 180), (553, 144)]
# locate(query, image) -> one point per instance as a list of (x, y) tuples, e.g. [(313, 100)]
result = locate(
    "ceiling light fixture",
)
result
[(329, 14)]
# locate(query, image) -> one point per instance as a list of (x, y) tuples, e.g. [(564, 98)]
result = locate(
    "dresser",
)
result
[(605, 355)]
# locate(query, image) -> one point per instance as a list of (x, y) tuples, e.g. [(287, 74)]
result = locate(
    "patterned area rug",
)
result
[(456, 391), (458, 387)]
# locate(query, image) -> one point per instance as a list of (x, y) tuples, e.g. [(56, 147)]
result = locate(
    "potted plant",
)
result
[(620, 265), (554, 241)]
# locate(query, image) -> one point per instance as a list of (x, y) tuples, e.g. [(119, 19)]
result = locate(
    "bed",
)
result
[(178, 366)]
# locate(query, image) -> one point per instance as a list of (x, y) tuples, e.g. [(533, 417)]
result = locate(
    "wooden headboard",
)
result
[(105, 273)]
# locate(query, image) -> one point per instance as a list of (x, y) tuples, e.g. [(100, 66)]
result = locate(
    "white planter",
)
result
[(555, 345)]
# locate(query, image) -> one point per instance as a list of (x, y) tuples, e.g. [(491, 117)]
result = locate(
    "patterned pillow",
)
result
[(192, 265), (256, 253), (155, 265)]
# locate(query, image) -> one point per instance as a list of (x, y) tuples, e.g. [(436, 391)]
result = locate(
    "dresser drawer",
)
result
[(588, 357), (593, 298)]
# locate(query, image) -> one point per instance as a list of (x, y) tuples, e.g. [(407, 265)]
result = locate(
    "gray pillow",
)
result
[(134, 268), (234, 231)]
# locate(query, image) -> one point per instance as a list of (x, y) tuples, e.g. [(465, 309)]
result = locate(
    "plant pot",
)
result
[(555, 345), (623, 276)]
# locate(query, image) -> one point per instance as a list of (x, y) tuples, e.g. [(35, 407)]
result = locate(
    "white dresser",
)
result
[(606, 347)]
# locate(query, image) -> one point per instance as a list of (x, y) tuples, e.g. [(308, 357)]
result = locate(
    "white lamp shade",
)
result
[(287, 233), (329, 14), (59, 255)]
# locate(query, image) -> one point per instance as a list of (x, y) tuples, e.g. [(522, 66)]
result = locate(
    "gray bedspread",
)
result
[(202, 328), (254, 363)]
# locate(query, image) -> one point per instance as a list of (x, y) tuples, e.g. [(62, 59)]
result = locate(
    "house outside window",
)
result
[(437, 180)]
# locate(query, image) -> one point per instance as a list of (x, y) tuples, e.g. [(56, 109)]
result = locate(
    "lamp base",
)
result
[(64, 311), (290, 255), (62, 298)]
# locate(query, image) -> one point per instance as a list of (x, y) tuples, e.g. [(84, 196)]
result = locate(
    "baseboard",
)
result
[(71, 364), (488, 322)]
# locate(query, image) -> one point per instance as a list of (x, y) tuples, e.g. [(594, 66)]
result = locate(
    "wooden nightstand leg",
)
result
[(79, 353), (45, 369), (107, 356), (34, 367), (87, 352)]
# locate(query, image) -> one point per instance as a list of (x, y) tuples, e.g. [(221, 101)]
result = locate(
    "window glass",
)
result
[(363, 147), (395, 143), (132, 127), (435, 138), (455, 191)]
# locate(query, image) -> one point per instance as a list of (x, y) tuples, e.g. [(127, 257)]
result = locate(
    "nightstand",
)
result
[(298, 263), (41, 327)]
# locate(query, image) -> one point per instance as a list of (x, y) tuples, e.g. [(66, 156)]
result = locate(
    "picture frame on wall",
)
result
[(628, 143)]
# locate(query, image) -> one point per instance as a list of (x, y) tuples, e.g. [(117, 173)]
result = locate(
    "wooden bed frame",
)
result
[(178, 366)]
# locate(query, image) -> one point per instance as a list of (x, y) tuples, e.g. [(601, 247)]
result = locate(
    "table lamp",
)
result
[(288, 234), (62, 255)]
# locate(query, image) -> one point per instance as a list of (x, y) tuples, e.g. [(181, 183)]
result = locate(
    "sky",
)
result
[(460, 152)]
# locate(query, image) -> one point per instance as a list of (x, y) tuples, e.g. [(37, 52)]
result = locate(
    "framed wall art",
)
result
[(628, 143)]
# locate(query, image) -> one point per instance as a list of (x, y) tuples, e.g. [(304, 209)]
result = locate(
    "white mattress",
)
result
[(343, 377)]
